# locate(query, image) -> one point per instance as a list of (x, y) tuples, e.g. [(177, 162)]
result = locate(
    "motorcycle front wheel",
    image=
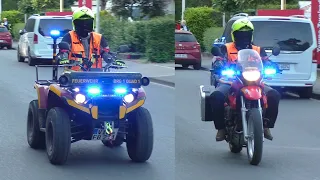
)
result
[(255, 140)]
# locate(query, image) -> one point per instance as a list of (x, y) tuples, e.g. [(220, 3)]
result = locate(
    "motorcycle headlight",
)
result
[(251, 75), (80, 98)]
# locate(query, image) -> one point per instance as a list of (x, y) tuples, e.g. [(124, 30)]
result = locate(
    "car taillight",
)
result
[(314, 56), (35, 39), (196, 46)]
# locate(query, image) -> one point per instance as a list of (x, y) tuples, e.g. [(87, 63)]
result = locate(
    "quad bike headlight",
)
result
[(80, 98), (128, 98)]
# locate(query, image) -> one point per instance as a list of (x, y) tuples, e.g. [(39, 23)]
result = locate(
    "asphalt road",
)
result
[(89, 159), (293, 154)]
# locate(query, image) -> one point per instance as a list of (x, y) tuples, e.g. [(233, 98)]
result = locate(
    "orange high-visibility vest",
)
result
[(78, 52), (233, 51)]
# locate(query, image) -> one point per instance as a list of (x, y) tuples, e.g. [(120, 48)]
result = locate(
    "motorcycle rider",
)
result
[(84, 43), (242, 35)]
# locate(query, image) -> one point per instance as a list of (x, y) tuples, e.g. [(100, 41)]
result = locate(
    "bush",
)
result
[(13, 16), (153, 37), (198, 20), (210, 35), (160, 40), (15, 30)]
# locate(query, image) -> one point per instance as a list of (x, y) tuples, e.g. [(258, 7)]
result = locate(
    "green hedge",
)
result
[(210, 35), (153, 37), (15, 30)]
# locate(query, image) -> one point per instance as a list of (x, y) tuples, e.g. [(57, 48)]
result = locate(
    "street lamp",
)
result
[(183, 9), (283, 4)]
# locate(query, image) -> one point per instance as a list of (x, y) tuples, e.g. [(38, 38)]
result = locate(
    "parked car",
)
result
[(296, 38), (35, 42), (187, 50), (5, 38)]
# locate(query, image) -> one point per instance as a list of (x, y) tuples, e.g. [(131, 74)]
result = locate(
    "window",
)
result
[(30, 25), (3, 29), (63, 25), (182, 37), (267, 34)]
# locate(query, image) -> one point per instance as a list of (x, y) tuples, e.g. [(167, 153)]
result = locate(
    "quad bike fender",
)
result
[(138, 102), (42, 93), (252, 92)]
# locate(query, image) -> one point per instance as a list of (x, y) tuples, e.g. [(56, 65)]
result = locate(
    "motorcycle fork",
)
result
[(244, 111)]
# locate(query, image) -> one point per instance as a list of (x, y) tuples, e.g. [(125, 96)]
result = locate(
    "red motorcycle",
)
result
[(245, 104)]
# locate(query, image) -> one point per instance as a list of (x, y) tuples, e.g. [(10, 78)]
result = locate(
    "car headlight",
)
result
[(128, 98), (251, 75), (80, 98)]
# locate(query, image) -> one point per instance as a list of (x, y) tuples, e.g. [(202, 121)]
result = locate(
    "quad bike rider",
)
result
[(242, 36), (84, 43), (86, 105)]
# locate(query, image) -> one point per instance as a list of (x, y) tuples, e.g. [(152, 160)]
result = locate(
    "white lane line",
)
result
[(162, 85)]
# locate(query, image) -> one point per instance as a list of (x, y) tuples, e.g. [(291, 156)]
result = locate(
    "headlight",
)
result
[(228, 72), (80, 98), (269, 71), (128, 98), (251, 75)]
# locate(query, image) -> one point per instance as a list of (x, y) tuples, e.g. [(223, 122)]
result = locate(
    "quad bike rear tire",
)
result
[(140, 135), (116, 143), (58, 136), (36, 138)]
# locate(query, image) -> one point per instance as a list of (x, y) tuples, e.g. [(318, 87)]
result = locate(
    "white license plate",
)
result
[(284, 66), (180, 55)]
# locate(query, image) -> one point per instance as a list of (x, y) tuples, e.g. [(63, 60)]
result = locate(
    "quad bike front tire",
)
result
[(255, 123), (36, 138), (140, 135), (116, 143), (58, 136)]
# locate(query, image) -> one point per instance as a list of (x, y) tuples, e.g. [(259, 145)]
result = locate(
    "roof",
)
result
[(182, 31), (50, 17), (274, 18)]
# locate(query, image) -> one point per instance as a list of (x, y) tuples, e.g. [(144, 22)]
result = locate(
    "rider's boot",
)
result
[(267, 134), (221, 135)]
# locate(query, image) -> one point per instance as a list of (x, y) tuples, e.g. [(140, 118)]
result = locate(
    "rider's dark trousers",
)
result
[(218, 98)]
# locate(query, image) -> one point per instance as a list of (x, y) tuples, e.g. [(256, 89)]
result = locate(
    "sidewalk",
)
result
[(162, 73)]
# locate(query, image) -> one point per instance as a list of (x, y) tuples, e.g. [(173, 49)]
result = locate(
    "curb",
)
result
[(163, 82)]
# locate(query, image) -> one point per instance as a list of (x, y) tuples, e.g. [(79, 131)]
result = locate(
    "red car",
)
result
[(187, 51), (5, 38)]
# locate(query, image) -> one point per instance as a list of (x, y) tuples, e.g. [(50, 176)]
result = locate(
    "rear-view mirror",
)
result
[(276, 51), (64, 46), (21, 32), (215, 51), (223, 49)]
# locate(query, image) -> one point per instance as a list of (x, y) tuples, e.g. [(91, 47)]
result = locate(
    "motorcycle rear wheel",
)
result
[(255, 140)]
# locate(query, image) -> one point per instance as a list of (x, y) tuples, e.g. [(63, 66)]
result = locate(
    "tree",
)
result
[(103, 4), (151, 8), (26, 7), (10, 5), (198, 3)]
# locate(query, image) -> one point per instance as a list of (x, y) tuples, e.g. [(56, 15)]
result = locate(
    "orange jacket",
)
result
[(77, 50), (233, 51)]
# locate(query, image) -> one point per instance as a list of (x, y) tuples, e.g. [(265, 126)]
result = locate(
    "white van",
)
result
[(297, 40), (35, 42)]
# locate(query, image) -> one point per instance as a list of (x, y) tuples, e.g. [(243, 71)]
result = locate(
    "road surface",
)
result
[(89, 159), (293, 154)]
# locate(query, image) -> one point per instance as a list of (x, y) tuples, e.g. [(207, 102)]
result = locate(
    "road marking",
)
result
[(168, 67), (294, 148), (163, 85)]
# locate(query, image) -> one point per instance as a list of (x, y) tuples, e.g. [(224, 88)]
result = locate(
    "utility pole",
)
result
[(98, 16), (183, 9), (61, 5), (0, 9), (283, 4)]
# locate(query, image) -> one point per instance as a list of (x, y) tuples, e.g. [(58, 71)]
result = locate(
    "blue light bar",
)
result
[(94, 90), (228, 72), (55, 33), (120, 91), (270, 71)]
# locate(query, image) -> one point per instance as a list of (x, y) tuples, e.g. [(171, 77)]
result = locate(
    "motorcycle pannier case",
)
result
[(206, 112)]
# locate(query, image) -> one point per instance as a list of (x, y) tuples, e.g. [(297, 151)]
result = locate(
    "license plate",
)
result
[(180, 55), (284, 66), (98, 134)]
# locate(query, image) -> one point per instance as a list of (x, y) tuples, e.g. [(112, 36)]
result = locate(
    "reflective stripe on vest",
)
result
[(233, 51), (78, 52)]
